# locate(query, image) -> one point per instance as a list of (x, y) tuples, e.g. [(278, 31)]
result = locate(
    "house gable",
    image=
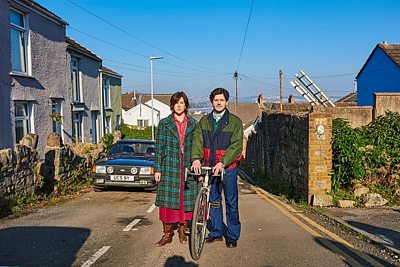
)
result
[(380, 73)]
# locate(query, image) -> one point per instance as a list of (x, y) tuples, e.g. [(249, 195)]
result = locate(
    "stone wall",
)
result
[(16, 171), (356, 116), (288, 150), (384, 102), (20, 170), (67, 163)]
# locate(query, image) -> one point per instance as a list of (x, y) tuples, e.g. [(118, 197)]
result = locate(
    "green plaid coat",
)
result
[(168, 162)]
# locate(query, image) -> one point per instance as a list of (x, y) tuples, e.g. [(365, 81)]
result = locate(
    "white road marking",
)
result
[(96, 256), (129, 226), (151, 208)]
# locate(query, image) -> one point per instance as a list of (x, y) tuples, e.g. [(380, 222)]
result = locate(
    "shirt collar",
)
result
[(219, 116), (184, 119)]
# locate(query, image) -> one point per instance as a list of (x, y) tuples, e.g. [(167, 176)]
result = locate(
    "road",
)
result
[(121, 227)]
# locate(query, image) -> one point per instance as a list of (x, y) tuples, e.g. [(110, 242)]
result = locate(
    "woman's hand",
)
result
[(157, 176)]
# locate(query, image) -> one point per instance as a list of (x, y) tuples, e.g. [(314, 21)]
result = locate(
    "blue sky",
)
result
[(201, 41)]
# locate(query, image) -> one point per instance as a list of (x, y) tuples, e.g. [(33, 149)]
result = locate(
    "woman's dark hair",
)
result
[(175, 99), (218, 91)]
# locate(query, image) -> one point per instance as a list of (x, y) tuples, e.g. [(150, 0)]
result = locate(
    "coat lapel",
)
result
[(190, 126), (171, 126)]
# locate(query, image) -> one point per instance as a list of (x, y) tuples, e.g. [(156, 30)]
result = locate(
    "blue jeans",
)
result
[(230, 187)]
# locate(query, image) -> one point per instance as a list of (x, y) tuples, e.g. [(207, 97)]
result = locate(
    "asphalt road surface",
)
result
[(121, 227)]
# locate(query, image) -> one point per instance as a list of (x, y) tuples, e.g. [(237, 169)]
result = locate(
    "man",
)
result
[(218, 142)]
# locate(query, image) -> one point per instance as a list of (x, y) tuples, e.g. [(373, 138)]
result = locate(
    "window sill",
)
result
[(21, 74), (108, 109)]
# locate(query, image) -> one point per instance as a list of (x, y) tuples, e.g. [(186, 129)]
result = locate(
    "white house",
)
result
[(164, 109), (140, 115)]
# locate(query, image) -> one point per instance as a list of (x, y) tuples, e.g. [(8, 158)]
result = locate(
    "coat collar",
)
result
[(171, 126), (223, 122)]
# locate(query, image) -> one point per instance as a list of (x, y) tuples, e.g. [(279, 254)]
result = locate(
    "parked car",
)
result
[(128, 164)]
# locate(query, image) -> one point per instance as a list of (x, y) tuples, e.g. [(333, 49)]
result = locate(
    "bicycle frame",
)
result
[(199, 218)]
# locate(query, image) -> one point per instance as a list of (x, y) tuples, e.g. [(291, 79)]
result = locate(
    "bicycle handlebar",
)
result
[(204, 169)]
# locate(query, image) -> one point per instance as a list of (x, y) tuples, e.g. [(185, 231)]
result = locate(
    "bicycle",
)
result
[(201, 212)]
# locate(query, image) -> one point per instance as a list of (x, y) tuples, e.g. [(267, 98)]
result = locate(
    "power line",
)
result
[(167, 74), (187, 80), (146, 68), (137, 38), (133, 52), (245, 34)]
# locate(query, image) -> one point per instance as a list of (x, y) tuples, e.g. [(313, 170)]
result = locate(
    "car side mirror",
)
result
[(102, 155)]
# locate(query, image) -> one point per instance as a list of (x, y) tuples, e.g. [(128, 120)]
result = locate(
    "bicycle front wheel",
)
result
[(199, 224)]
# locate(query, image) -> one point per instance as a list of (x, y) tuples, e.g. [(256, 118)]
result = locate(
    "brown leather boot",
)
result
[(181, 232), (168, 234)]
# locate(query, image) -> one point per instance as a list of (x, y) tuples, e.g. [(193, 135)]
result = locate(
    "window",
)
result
[(75, 80), (143, 123), (118, 122), (107, 125), (18, 42), (56, 115), (77, 129), (106, 93), (23, 111)]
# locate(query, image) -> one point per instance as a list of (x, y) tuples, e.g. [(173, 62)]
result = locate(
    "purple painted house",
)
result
[(33, 86), (380, 73)]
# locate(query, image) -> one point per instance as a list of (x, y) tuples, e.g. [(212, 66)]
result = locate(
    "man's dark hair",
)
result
[(218, 91), (175, 99)]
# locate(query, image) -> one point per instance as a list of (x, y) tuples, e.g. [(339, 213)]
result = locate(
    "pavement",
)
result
[(380, 225)]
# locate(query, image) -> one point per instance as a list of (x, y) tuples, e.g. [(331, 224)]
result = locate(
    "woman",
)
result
[(175, 198)]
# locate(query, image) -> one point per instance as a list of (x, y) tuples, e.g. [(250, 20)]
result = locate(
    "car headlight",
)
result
[(99, 169), (146, 170), (110, 169), (133, 170)]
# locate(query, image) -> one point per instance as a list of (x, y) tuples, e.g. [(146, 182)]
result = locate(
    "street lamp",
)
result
[(152, 99)]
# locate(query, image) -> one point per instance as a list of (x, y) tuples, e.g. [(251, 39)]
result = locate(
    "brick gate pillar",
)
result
[(319, 153)]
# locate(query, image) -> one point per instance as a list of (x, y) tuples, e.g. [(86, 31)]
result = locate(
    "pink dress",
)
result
[(171, 215)]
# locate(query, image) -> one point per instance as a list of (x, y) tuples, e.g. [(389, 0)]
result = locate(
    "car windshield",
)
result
[(136, 148)]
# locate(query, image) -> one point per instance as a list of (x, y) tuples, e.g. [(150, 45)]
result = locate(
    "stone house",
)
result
[(111, 103), (85, 93), (379, 74), (32, 71)]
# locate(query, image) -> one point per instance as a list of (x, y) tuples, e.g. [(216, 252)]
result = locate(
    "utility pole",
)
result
[(280, 88), (235, 76)]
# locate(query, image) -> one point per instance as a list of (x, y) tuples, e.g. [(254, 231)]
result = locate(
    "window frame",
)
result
[(28, 118), (107, 125), (56, 106), (142, 122), (106, 93), (24, 31), (76, 85), (77, 126)]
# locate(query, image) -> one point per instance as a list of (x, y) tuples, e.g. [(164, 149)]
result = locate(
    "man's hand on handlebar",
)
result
[(218, 168), (196, 167)]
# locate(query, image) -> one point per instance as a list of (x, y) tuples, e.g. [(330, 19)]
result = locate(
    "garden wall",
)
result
[(288, 149)]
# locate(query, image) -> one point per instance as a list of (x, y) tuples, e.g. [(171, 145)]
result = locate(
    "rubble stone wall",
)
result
[(16, 171)]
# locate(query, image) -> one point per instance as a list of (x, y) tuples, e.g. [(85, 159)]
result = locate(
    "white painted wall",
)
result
[(164, 109), (140, 112)]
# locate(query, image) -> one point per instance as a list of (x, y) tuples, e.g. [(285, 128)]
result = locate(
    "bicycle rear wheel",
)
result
[(199, 224)]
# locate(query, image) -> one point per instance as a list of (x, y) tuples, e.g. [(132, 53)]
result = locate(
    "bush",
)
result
[(370, 154), (135, 132), (107, 140)]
